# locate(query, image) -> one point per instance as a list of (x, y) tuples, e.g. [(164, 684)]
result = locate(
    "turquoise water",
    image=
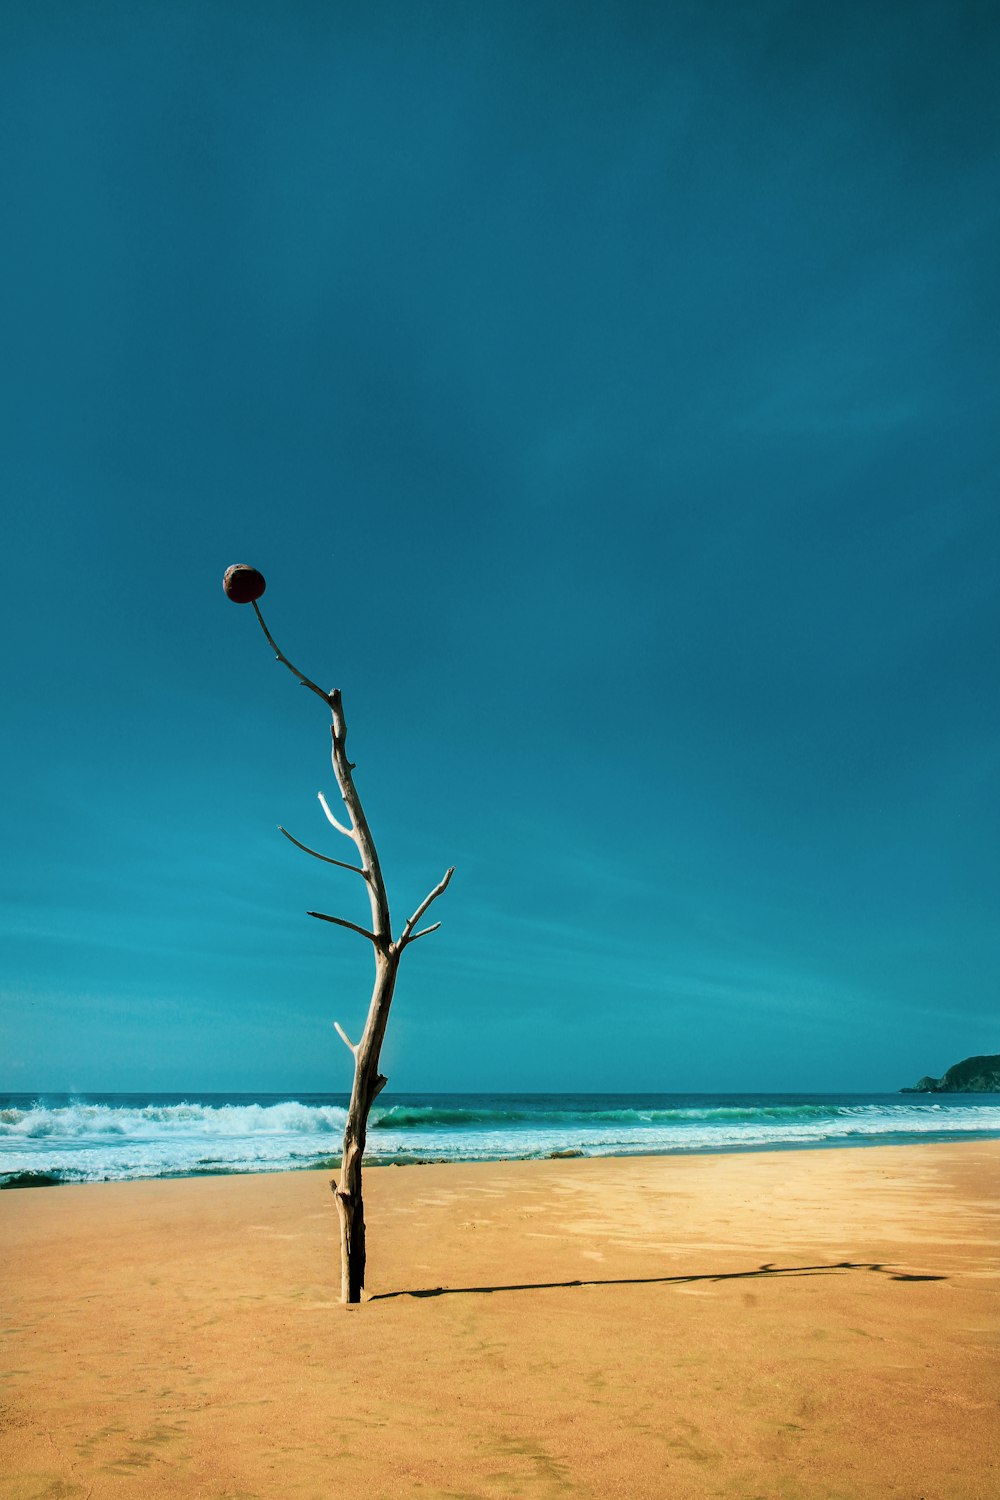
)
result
[(94, 1137)]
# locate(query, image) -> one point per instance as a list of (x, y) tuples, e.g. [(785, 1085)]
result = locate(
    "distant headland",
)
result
[(976, 1075)]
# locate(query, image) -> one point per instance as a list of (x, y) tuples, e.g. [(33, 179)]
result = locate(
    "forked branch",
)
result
[(408, 935), (422, 933)]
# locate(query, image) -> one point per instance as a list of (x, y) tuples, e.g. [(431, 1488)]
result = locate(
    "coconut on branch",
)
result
[(243, 584)]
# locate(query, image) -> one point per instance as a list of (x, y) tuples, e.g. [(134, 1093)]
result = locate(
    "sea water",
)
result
[(99, 1137)]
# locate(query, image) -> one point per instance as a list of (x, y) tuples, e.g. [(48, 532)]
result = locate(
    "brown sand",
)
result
[(784, 1326)]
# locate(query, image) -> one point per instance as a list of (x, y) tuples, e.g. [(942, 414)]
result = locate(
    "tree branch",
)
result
[(347, 832), (442, 885), (343, 922), (305, 681), (345, 1038), (324, 857), (405, 941)]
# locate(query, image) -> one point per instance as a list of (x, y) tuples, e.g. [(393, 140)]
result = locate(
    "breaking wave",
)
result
[(59, 1138)]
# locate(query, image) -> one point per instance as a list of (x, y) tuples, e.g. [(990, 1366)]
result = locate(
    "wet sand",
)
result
[(814, 1325)]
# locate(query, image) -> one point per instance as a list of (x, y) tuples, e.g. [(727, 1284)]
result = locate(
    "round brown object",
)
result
[(243, 584)]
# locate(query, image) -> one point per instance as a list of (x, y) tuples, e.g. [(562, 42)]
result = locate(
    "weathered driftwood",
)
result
[(368, 1081)]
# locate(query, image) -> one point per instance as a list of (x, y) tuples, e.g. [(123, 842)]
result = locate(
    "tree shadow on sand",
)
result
[(768, 1269)]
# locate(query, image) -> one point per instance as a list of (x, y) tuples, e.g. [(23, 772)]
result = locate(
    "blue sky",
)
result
[(609, 394)]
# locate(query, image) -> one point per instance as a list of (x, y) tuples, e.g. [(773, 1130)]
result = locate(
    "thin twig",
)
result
[(344, 1037), (305, 681), (347, 832), (316, 855), (404, 941), (343, 922)]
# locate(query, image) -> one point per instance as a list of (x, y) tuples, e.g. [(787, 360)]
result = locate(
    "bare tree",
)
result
[(245, 585)]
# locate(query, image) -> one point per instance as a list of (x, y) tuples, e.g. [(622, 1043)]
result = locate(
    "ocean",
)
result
[(63, 1138)]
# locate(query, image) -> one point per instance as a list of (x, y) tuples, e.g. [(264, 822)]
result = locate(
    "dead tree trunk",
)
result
[(368, 1081)]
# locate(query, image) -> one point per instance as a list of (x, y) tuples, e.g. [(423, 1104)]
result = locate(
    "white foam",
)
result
[(79, 1140)]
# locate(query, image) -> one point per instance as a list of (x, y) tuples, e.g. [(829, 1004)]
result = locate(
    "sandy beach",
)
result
[(797, 1324)]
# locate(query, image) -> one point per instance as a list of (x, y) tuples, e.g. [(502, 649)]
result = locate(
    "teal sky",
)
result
[(609, 394)]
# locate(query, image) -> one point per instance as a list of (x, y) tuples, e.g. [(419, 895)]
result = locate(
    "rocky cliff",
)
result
[(976, 1075)]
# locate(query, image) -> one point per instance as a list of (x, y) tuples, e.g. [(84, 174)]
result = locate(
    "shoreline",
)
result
[(739, 1324)]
